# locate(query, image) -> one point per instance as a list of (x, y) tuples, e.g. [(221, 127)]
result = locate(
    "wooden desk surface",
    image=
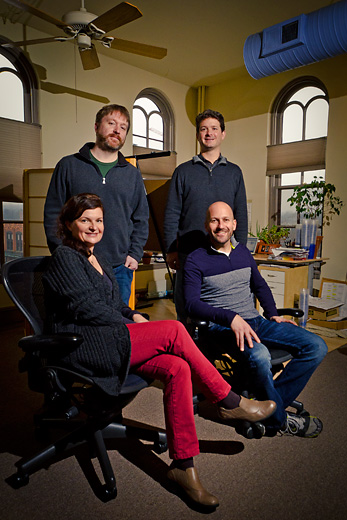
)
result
[(264, 259)]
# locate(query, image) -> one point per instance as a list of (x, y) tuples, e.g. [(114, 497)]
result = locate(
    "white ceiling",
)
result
[(204, 38)]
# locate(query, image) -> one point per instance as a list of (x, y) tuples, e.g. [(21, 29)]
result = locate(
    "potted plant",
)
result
[(269, 237), (316, 199)]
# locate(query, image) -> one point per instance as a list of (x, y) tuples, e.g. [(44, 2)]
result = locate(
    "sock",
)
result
[(183, 463), (231, 401)]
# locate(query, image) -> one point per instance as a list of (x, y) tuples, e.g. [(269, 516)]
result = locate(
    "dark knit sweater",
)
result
[(122, 193), (219, 286), (79, 300), (195, 185)]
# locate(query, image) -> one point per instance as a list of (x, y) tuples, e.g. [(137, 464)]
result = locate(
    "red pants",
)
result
[(164, 350)]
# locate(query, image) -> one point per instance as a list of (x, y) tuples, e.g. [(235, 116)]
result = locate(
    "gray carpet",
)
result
[(267, 479)]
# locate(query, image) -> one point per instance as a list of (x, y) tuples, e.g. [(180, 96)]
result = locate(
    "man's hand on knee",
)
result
[(280, 319), (243, 332)]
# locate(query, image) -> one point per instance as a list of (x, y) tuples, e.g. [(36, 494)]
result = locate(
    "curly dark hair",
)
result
[(207, 114), (71, 211)]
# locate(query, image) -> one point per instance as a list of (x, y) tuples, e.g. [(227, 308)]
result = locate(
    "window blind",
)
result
[(297, 156), (20, 149)]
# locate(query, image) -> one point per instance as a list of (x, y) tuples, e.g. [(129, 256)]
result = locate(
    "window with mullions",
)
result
[(18, 124), (12, 222), (297, 155), (153, 124), (148, 125), (11, 107)]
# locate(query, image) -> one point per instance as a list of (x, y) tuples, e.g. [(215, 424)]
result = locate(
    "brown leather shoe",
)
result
[(189, 480), (248, 410)]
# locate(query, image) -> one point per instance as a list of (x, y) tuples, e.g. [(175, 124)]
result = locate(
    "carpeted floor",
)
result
[(267, 479)]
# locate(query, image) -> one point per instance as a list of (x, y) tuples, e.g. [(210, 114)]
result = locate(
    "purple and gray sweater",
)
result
[(219, 286)]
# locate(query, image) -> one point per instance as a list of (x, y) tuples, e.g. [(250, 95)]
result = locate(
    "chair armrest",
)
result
[(49, 343), (195, 322), (70, 376), (296, 313)]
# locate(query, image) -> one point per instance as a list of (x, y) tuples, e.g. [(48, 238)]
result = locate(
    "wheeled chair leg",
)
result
[(27, 466), (126, 431), (109, 490)]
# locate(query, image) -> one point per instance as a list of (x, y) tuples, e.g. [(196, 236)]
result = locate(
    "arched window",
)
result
[(11, 107), (153, 122), (298, 136), (20, 143), (18, 85)]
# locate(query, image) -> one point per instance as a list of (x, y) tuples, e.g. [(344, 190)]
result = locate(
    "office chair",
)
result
[(71, 400), (236, 372)]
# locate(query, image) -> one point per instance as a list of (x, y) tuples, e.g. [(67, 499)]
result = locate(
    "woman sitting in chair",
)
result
[(83, 297)]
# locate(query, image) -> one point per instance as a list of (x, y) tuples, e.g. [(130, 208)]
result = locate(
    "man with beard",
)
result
[(101, 168), (220, 281)]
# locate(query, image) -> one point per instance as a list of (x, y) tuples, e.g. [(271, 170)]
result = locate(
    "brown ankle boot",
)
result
[(248, 410), (189, 481)]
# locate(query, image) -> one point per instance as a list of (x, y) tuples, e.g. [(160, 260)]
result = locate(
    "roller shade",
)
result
[(298, 156), (20, 148)]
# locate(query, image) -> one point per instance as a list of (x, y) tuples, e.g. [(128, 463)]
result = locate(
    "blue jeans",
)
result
[(308, 351), (124, 277)]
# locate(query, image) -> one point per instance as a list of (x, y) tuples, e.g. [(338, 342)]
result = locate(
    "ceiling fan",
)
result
[(85, 27)]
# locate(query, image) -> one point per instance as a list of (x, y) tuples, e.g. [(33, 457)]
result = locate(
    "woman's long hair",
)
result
[(71, 211)]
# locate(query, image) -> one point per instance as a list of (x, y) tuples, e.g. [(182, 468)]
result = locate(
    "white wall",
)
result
[(68, 120)]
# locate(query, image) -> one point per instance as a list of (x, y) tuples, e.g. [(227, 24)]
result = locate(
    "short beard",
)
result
[(102, 143)]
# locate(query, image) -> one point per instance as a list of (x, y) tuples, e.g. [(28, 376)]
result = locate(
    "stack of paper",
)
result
[(289, 253)]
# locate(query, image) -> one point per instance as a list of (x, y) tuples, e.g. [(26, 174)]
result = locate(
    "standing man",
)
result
[(219, 283), (196, 184), (100, 168)]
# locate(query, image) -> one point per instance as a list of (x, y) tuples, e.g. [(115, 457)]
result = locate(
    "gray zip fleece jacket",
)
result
[(122, 193), (195, 185)]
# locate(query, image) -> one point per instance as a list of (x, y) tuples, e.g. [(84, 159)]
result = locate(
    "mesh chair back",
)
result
[(22, 279)]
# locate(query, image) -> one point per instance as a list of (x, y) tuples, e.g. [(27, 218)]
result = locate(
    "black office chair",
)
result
[(71, 400), (236, 372)]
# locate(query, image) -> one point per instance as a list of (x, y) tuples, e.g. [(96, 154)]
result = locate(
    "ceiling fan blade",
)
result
[(36, 12), (54, 88), (89, 58), (139, 48), (23, 43), (117, 16)]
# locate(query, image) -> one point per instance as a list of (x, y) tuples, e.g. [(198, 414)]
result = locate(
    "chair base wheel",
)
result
[(160, 447), (17, 480), (107, 494), (251, 430)]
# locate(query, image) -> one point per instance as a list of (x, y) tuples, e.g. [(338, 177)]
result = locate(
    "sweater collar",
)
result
[(233, 242), (200, 159), (85, 150)]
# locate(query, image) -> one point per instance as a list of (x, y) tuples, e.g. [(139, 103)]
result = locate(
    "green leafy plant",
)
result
[(271, 235), (315, 199)]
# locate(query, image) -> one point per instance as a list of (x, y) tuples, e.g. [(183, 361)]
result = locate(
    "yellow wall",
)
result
[(246, 104)]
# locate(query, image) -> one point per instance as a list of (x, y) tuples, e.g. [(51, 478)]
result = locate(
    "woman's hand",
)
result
[(138, 318)]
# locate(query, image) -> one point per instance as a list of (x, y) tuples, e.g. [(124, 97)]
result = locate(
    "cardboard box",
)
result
[(323, 314), (337, 325)]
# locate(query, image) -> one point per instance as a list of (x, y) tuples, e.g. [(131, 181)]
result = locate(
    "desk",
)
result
[(263, 259)]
